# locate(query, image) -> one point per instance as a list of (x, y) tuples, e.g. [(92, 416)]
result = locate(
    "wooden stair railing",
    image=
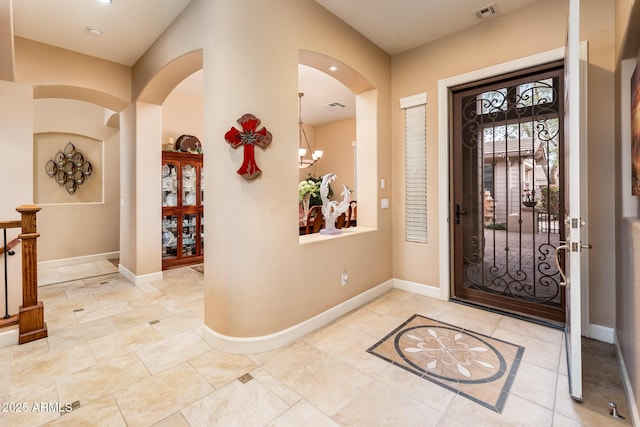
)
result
[(31, 324)]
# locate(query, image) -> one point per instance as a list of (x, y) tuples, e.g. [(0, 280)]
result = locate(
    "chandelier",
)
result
[(305, 162)]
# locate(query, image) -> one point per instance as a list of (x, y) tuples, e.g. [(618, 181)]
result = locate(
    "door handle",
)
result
[(563, 247), (459, 212)]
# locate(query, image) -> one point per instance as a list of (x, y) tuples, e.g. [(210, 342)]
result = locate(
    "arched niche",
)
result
[(366, 130)]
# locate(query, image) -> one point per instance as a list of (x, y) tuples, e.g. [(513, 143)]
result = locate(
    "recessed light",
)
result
[(333, 68), (94, 31), (105, 1)]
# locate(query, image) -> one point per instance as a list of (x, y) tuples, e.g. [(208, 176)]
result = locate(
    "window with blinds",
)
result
[(415, 150)]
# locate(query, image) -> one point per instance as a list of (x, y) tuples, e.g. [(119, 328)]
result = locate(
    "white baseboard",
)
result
[(631, 400), (418, 288), (9, 337), (55, 263), (602, 333), (142, 279), (276, 340)]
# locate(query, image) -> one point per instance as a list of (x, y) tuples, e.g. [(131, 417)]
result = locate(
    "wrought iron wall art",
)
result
[(69, 168)]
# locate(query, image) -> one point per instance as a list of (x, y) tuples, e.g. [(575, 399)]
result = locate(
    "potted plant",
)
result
[(528, 199)]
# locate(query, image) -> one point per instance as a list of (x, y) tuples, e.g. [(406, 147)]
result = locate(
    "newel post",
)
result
[(31, 315)]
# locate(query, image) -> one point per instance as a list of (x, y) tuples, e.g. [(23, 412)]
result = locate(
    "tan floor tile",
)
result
[(155, 398), (327, 383), (220, 368), (537, 352), (378, 405), (472, 319), (139, 316), (419, 388), (61, 339), (172, 351), (372, 323), (105, 378), (276, 386), (384, 303), (49, 276), (196, 306), (517, 411), (78, 271), (178, 323), (27, 409), (303, 414), (536, 385), (124, 342), (105, 267), (102, 310), (228, 406), (533, 330), (103, 411), (283, 363), (27, 372), (175, 420), (82, 288)]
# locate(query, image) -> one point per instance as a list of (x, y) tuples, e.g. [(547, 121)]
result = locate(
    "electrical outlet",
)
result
[(344, 278)]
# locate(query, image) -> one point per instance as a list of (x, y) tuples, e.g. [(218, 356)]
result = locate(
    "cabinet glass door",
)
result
[(189, 234), (169, 185), (189, 187), (169, 236), (202, 233)]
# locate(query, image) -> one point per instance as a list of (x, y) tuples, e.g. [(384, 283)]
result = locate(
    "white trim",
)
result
[(9, 337), (417, 288), (631, 400), (443, 144), (602, 333), (55, 263), (140, 280), (413, 100), (237, 345)]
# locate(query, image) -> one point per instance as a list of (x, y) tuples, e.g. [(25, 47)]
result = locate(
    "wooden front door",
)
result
[(506, 191)]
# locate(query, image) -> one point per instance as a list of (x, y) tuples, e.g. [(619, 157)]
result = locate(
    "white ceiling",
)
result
[(130, 27)]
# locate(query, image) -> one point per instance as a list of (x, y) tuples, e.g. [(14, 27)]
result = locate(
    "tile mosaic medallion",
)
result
[(473, 365)]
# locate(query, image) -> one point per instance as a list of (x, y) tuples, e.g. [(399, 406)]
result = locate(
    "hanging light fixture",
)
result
[(305, 162)]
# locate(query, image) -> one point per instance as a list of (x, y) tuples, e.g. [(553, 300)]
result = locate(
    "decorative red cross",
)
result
[(250, 136)]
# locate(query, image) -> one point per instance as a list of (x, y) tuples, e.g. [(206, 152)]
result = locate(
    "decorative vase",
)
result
[(305, 207), (530, 204)]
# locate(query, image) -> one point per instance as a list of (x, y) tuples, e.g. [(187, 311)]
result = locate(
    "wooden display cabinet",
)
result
[(182, 210)]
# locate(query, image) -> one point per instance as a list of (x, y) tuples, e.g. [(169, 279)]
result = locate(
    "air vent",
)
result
[(336, 105), (486, 12)]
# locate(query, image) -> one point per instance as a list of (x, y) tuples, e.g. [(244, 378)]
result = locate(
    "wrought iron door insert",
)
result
[(507, 192)]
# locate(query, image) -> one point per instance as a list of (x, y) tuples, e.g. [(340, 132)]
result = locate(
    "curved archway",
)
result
[(346, 75), (80, 94), (159, 87)]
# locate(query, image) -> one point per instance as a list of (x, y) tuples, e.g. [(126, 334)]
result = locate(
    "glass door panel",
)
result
[(169, 185), (189, 234), (189, 186), (169, 236)]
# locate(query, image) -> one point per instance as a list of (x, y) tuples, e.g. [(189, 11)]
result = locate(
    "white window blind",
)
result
[(415, 111)]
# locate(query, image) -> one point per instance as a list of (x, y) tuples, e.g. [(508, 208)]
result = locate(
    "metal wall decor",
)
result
[(250, 136), (69, 167)]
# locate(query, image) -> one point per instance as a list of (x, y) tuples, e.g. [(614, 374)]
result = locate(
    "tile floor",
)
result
[(133, 355)]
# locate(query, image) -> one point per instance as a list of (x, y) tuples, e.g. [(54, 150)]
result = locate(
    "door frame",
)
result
[(444, 135)]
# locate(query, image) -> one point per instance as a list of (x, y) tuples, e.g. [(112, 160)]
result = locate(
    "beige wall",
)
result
[(259, 277), (335, 139), (182, 115), (92, 212)]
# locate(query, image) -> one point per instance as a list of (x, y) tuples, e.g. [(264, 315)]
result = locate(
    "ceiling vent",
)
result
[(336, 105), (486, 12)]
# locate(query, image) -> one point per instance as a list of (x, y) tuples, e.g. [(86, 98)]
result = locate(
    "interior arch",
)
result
[(159, 87)]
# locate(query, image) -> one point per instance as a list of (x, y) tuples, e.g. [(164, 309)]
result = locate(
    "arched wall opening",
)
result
[(144, 134), (366, 118)]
